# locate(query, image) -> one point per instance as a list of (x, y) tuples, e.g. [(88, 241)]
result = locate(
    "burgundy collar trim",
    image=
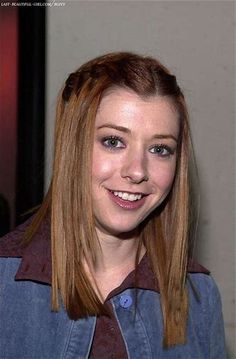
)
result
[(36, 260), (36, 257)]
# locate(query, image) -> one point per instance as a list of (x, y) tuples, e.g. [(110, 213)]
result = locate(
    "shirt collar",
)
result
[(36, 257), (36, 260)]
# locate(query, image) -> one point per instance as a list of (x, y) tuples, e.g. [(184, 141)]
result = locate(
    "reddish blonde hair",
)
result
[(165, 232)]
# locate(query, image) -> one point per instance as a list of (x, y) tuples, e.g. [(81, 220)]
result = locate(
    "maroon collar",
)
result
[(36, 257), (36, 260)]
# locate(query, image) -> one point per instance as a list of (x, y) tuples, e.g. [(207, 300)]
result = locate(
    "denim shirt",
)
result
[(30, 330)]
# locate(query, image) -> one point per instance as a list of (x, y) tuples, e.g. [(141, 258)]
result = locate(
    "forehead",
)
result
[(124, 107)]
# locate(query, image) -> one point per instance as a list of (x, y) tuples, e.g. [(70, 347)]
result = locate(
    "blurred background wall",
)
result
[(8, 114), (196, 40), (22, 93)]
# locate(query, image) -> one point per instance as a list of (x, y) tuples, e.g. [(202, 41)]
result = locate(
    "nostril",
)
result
[(137, 179)]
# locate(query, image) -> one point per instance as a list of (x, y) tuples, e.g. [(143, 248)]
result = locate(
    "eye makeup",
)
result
[(162, 150)]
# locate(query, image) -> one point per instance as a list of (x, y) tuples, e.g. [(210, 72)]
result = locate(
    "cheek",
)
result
[(102, 166), (164, 177)]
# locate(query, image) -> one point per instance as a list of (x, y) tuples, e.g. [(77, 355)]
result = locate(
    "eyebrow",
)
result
[(127, 130)]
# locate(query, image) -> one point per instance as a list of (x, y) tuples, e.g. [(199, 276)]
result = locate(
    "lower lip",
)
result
[(127, 204)]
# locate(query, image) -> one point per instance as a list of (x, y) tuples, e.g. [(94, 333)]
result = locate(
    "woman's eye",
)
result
[(162, 150), (113, 142)]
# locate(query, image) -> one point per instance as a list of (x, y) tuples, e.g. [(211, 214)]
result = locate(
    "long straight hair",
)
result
[(165, 233)]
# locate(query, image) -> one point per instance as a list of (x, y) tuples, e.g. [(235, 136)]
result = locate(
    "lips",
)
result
[(127, 200)]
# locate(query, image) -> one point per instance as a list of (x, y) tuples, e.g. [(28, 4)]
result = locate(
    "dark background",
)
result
[(22, 112)]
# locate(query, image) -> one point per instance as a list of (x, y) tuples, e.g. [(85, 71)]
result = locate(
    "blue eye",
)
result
[(162, 150), (113, 142)]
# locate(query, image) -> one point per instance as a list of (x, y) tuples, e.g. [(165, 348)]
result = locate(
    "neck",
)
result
[(114, 262), (117, 252)]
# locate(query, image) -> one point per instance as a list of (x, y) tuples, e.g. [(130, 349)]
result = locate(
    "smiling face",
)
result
[(134, 159)]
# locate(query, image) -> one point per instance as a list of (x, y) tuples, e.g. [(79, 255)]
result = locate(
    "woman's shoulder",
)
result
[(31, 261), (200, 280), (12, 243), (204, 290)]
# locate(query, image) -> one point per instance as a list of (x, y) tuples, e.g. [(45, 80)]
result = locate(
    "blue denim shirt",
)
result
[(30, 330)]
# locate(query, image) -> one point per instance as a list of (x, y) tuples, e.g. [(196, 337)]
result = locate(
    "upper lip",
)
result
[(130, 192)]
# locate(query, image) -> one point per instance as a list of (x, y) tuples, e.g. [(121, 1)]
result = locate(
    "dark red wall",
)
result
[(8, 103)]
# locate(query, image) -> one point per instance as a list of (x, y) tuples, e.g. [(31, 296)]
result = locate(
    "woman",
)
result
[(117, 216)]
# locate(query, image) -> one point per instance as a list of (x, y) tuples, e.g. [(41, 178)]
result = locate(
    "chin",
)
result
[(117, 229)]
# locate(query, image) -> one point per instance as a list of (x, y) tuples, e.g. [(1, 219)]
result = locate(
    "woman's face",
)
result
[(134, 159)]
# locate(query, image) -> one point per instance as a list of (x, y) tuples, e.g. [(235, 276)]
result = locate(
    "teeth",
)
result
[(128, 196)]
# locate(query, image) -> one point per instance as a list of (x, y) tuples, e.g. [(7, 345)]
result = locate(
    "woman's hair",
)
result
[(165, 232)]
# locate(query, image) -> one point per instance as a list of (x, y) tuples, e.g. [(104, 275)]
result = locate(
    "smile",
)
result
[(128, 196), (127, 200)]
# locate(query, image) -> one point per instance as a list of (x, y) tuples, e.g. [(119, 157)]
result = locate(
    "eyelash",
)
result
[(112, 138), (159, 147), (162, 147)]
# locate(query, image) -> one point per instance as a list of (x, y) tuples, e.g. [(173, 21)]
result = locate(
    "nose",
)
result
[(134, 167)]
